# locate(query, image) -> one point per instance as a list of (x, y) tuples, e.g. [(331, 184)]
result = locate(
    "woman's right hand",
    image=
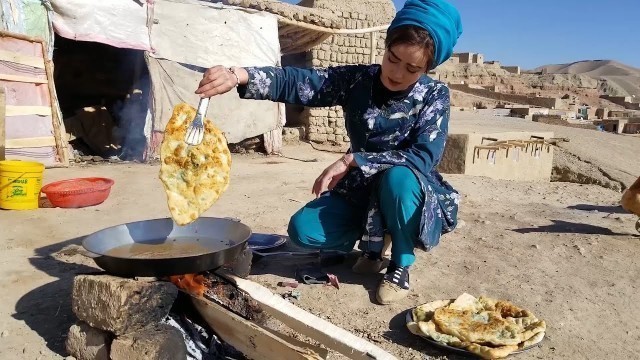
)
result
[(219, 80)]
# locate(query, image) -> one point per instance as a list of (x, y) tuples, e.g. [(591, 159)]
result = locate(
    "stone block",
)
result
[(120, 305), (338, 131), (333, 57), (331, 137), (362, 16), (345, 138), (293, 134), (87, 343), (318, 138), (158, 342)]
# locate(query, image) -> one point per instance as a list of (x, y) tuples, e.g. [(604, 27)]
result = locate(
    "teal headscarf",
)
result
[(439, 18)]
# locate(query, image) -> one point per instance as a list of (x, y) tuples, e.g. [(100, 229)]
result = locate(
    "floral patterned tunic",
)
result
[(409, 131)]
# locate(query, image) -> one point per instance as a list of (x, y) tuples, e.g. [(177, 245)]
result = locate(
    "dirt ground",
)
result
[(565, 251)]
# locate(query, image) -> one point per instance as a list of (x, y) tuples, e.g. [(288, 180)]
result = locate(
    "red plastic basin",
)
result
[(77, 193)]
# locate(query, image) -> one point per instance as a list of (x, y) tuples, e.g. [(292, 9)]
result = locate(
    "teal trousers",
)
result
[(332, 222)]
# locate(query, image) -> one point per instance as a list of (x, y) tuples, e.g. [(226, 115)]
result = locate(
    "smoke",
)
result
[(132, 113)]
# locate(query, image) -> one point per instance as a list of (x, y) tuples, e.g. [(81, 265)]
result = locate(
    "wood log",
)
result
[(307, 324), (248, 338)]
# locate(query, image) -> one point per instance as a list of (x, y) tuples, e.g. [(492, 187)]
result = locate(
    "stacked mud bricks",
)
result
[(326, 125)]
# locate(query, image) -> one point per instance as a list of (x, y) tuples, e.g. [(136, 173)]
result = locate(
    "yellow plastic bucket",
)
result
[(20, 183)]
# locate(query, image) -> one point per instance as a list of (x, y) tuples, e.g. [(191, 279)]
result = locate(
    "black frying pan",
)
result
[(159, 247)]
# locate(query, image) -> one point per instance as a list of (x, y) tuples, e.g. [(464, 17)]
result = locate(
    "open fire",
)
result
[(191, 283), (212, 316)]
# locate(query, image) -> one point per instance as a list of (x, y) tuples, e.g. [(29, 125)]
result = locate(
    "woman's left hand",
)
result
[(331, 175)]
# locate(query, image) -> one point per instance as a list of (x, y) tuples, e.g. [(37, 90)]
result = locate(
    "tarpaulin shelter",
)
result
[(181, 38)]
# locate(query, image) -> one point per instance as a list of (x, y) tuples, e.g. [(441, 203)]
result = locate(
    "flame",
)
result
[(191, 283)]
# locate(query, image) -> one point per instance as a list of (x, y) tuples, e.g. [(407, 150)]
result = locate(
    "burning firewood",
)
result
[(190, 283), (219, 290)]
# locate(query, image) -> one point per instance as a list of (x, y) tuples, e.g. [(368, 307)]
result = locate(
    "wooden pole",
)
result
[(22, 37), (374, 47), (2, 124), (59, 131)]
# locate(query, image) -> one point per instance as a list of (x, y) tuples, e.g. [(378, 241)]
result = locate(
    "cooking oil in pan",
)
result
[(183, 246)]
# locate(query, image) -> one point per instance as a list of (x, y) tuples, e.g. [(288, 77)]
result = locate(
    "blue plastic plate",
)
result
[(266, 241)]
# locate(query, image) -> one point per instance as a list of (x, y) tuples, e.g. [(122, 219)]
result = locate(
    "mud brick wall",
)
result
[(326, 125)]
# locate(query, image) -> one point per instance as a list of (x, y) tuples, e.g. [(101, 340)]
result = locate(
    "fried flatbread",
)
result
[(194, 177), (425, 312), (488, 328), (485, 327), (488, 352)]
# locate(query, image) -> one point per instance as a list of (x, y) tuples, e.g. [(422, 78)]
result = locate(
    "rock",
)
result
[(158, 342), (580, 249), (4, 333), (461, 224), (486, 222), (121, 305), (98, 159), (87, 158), (87, 343), (535, 246)]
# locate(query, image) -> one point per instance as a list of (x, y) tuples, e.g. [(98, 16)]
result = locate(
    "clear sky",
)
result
[(533, 33)]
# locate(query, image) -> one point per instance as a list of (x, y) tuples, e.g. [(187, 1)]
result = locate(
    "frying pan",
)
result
[(211, 243)]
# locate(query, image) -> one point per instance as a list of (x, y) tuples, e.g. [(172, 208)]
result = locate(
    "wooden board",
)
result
[(2, 123), (27, 79), (30, 142), (27, 110), (248, 338), (327, 334), (32, 61)]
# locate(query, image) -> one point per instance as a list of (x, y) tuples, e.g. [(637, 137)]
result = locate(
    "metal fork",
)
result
[(195, 132)]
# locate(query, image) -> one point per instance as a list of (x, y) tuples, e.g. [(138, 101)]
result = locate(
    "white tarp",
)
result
[(119, 23), (177, 34), (204, 35)]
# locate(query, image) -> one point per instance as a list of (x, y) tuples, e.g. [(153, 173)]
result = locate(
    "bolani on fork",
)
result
[(195, 132)]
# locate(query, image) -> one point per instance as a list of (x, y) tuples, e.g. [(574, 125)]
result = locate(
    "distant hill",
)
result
[(621, 79)]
